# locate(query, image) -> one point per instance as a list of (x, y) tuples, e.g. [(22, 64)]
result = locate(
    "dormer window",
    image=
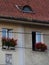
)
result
[(27, 9)]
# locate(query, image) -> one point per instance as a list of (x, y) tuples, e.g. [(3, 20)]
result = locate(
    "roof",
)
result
[(40, 7)]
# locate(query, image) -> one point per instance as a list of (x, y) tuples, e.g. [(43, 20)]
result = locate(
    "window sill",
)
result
[(28, 12), (8, 48)]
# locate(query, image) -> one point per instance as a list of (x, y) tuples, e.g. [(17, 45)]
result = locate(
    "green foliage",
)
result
[(9, 42)]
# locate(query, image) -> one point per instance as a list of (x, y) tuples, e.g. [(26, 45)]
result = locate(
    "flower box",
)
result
[(41, 46), (8, 43)]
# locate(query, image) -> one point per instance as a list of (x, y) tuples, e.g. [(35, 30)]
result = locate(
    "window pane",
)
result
[(7, 33), (38, 37), (10, 33), (27, 9), (4, 32)]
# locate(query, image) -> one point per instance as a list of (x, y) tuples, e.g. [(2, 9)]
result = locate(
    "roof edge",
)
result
[(24, 19)]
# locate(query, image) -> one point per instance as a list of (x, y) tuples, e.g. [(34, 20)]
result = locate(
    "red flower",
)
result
[(9, 42), (41, 46)]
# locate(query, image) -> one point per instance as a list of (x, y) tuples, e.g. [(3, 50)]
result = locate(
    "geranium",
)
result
[(41, 46), (9, 42)]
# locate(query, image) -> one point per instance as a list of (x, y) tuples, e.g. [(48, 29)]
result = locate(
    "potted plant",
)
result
[(9, 42), (41, 46)]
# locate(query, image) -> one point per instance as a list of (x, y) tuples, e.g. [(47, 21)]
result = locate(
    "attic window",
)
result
[(27, 9)]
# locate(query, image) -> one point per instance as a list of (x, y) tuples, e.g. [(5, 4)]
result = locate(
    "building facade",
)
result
[(28, 23)]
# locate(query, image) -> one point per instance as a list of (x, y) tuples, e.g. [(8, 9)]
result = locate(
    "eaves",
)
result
[(24, 21)]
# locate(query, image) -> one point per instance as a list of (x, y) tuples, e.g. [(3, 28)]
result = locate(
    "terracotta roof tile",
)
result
[(40, 7)]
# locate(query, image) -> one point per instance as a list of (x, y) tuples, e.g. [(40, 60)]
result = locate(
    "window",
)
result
[(26, 9), (7, 33), (36, 37), (8, 59), (39, 37), (8, 42)]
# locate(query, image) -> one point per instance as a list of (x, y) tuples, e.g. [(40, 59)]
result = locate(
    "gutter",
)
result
[(24, 20)]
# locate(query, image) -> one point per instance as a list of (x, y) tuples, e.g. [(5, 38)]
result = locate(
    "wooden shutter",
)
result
[(33, 40)]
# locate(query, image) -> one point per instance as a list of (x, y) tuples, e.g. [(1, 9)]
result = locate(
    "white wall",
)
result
[(18, 55), (21, 44)]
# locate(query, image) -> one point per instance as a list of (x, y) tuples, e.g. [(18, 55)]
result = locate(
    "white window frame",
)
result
[(42, 38), (8, 32)]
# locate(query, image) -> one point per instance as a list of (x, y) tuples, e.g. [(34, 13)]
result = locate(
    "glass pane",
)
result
[(10, 33), (4, 32), (26, 9), (38, 37)]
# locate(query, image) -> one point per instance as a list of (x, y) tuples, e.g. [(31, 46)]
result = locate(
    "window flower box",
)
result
[(41, 46), (8, 43)]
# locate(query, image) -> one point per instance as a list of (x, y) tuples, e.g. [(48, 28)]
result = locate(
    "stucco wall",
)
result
[(28, 42), (24, 42), (18, 54), (28, 37)]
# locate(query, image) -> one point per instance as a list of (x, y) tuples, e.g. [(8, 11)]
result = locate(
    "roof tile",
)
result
[(41, 8)]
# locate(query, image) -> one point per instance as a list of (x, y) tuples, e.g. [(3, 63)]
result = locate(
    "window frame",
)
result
[(40, 33), (7, 32), (34, 40)]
